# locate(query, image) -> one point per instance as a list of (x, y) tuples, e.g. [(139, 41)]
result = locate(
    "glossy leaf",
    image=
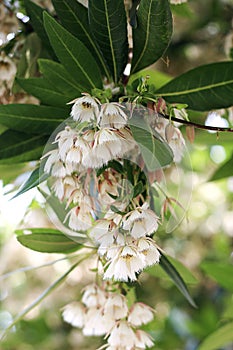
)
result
[(221, 337), (48, 242), (13, 143), (31, 118), (74, 56), (225, 170), (58, 76), (109, 26), (35, 13), (152, 34), (176, 278), (74, 17), (34, 180), (44, 91), (221, 272), (203, 88), (155, 152)]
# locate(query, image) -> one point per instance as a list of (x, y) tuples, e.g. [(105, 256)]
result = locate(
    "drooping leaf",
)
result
[(35, 13), (34, 180), (155, 152), (31, 118), (176, 278), (183, 271), (203, 88), (223, 171), (14, 143), (109, 27), (28, 156), (152, 34), (44, 91), (74, 56), (219, 338), (74, 17), (58, 76), (48, 242), (221, 272), (138, 189)]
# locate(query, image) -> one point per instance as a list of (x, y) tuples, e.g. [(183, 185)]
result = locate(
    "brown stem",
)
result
[(196, 125)]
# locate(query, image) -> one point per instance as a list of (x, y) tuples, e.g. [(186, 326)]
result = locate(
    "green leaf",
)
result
[(31, 118), (152, 34), (171, 271), (58, 76), (50, 242), (203, 88), (44, 91), (13, 143), (28, 156), (155, 153), (35, 13), (223, 171), (34, 180), (185, 273), (109, 27), (74, 56), (74, 17), (138, 189), (219, 338), (221, 272)]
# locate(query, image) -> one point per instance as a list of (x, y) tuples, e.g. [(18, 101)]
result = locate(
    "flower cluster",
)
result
[(102, 312), (8, 24), (7, 73)]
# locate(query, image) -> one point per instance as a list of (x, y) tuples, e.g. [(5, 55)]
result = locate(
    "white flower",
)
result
[(94, 296), (64, 187), (74, 313), (125, 264), (177, 144), (143, 340), (141, 221), (122, 335), (112, 116), (53, 157), (96, 323), (146, 247), (116, 306), (79, 219), (85, 109), (139, 314)]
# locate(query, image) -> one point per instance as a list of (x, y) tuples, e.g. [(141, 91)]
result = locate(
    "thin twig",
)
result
[(196, 125)]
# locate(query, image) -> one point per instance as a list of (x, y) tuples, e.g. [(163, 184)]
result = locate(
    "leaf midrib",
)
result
[(147, 37), (21, 143), (110, 41), (201, 88), (91, 41)]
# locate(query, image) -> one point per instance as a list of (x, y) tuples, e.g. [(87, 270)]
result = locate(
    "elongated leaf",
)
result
[(35, 13), (221, 337), (184, 272), (223, 171), (28, 156), (58, 76), (72, 53), (49, 242), (32, 119), (152, 34), (74, 17), (155, 153), (34, 180), (109, 27), (220, 272), (176, 278), (203, 88), (13, 143), (44, 91)]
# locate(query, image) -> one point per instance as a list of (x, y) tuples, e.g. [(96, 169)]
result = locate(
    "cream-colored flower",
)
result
[(147, 247), (96, 323), (112, 116), (85, 109), (122, 335), (139, 314), (116, 306), (7, 68), (143, 340), (94, 296), (79, 219), (141, 222), (74, 314), (177, 2)]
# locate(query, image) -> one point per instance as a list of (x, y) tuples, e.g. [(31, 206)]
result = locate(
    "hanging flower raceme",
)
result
[(103, 312)]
